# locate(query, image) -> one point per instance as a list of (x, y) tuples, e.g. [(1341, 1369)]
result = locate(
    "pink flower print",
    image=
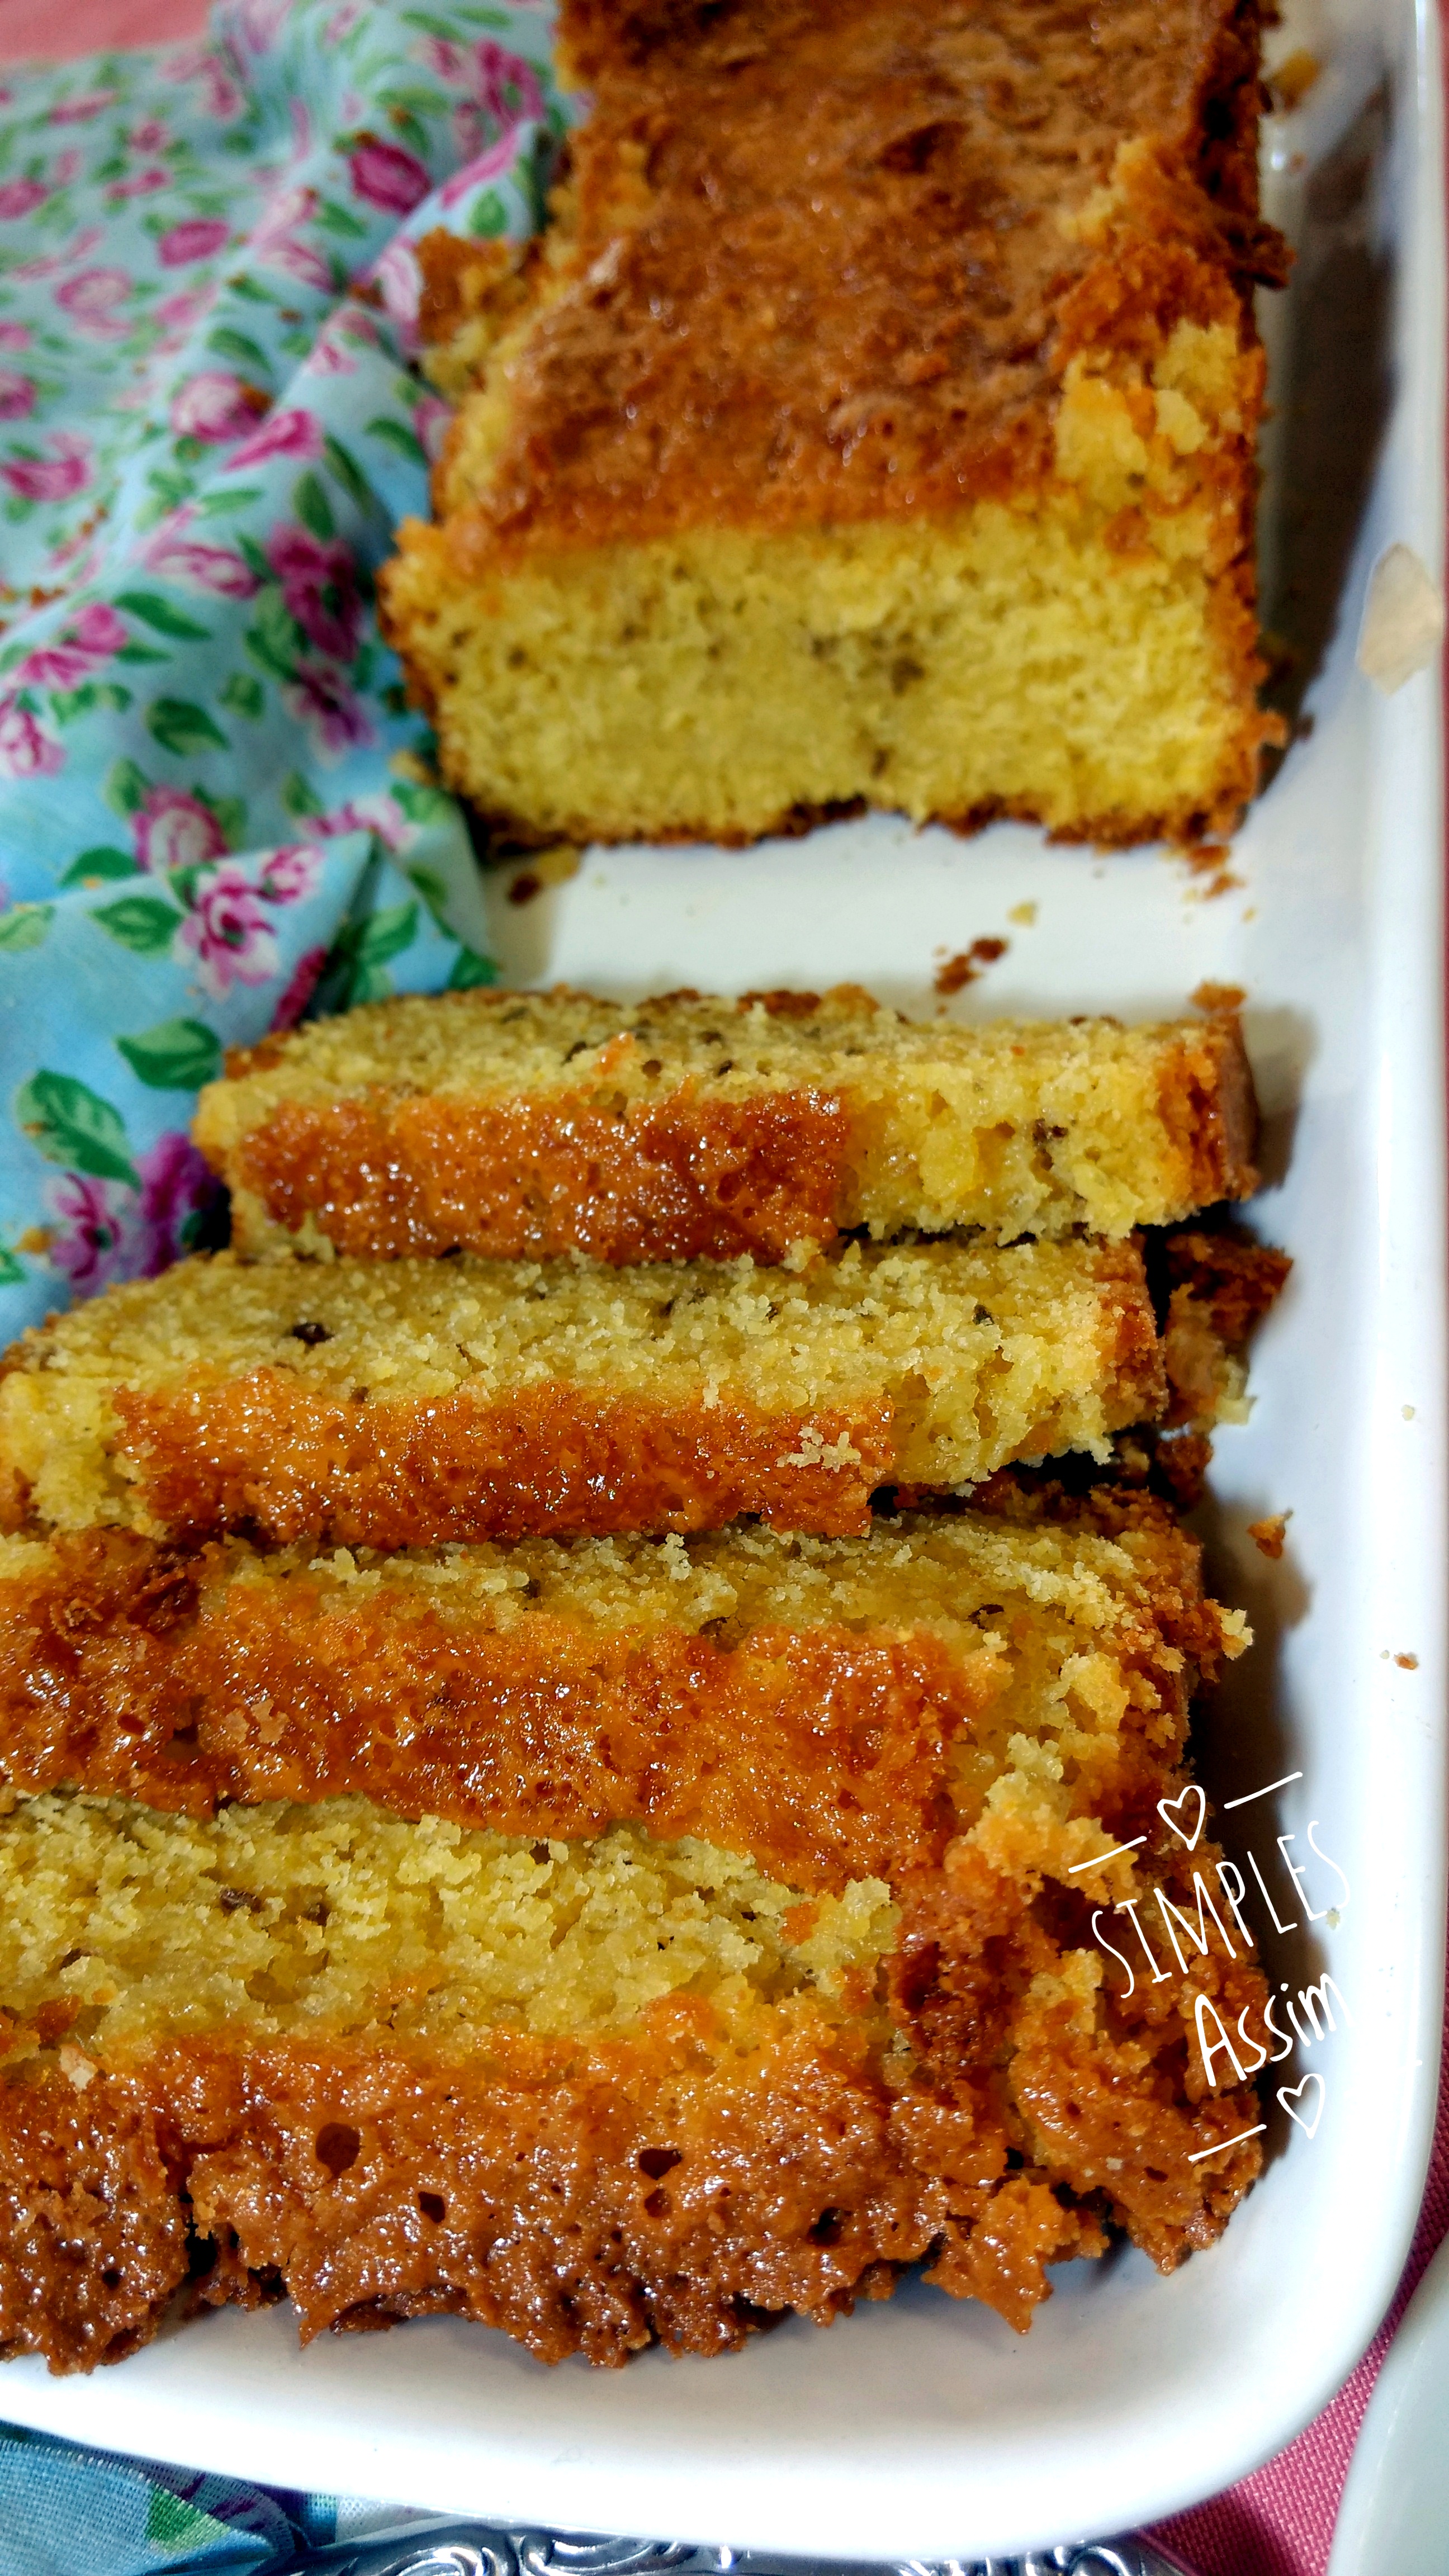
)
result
[(290, 874), (301, 124), (91, 301), (431, 420), (88, 1243), (17, 395), (79, 247), (56, 477), (378, 813), (276, 242), (174, 830), (259, 22), (66, 168), (329, 355), (319, 589), (283, 433), (79, 111), (21, 197), (216, 406), (14, 335), (499, 156), (386, 176), (25, 751), (180, 558), (229, 932), (84, 646), (98, 630), (178, 1186), (343, 20), (221, 98), (320, 698), (151, 135), (177, 313), (399, 281), (505, 86), (144, 184), (198, 239), (299, 988)]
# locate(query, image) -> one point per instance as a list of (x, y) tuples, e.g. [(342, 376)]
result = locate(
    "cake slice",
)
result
[(539, 1123), (623, 2081), (403, 1403), (832, 1706), (874, 426)]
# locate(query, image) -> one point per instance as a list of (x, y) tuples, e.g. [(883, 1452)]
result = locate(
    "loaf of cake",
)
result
[(539, 1123), (795, 1990), (874, 425), (394, 1404)]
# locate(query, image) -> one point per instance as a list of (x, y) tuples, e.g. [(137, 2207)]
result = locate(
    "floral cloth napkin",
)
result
[(67, 2511), (216, 808)]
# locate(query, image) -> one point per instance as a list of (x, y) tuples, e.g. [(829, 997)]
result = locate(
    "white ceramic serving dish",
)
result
[(923, 2428), (1393, 2509)]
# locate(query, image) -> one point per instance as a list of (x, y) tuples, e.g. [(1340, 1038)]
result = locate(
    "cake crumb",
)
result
[(1218, 997), (1025, 913), (1293, 79), (969, 964), (1407, 1663), (1268, 1535)]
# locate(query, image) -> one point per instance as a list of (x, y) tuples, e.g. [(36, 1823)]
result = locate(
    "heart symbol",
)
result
[(1167, 1810), (1288, 2094)]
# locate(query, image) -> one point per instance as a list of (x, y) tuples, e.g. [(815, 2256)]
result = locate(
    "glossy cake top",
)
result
[(828, 261)]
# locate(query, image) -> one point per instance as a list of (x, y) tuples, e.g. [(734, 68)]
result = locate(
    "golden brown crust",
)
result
[(131, 1669), (884, 188), (268, 1455), (1221, 1286), (1211, 1105), (678, 1179), (569, 2191)]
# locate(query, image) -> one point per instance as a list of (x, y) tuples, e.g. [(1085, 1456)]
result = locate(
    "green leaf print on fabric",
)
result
[(177, 1055), (69, 1123), (313, 508), (244, 695), (470, 971), (159, 613), (126, 788), (396, 436), (142, 923), (180, 726), (24, 928), (97, 867)]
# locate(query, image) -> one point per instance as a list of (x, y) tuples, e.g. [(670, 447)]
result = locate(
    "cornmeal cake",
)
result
[(402, 1403), (874, 425), (601, 2081), (538, 1123), (707, 1688)]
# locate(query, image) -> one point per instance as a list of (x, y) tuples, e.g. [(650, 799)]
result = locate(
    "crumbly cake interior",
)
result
[(875, 425), (416, 1123), (970, 1357), (340, 1920)]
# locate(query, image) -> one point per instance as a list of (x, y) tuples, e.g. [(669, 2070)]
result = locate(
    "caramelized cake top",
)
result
[(829, 262)]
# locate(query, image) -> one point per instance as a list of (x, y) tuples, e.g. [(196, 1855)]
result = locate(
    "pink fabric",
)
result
[(36, 31)]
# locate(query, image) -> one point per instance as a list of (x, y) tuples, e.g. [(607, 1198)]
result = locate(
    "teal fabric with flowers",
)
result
[(216, 808)]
